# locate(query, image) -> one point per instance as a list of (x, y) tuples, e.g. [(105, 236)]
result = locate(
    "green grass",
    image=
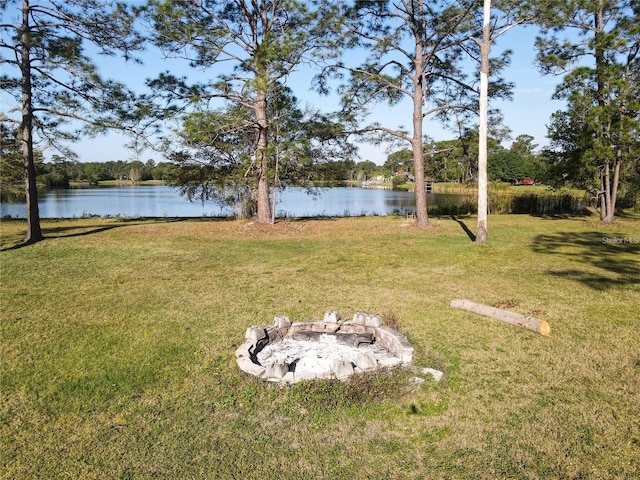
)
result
[(118, 341), (499, 188), (115, 183)]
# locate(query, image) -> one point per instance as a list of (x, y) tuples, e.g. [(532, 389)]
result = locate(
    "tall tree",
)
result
[(415, 52), (597, 135), (492, 27), (52, 79), (482, 234), (260, 42)]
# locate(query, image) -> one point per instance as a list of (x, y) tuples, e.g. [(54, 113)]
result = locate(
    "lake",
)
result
[(164, 201)]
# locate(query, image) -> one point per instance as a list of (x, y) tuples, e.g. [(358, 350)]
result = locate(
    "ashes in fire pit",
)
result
[(288, 352)]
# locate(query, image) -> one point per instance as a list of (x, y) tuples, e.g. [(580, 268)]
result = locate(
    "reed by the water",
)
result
[(508, 203)]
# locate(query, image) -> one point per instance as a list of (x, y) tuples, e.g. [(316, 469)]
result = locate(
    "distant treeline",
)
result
[(448, 161), (59, 173), (453, 165), (505, 166)]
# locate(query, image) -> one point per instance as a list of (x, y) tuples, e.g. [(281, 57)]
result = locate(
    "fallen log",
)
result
[(534, 324)]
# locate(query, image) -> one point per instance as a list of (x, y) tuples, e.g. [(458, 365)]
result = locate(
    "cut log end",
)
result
[(544, 328)]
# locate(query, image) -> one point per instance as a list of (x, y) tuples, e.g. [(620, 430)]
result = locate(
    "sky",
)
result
[(528, 113)]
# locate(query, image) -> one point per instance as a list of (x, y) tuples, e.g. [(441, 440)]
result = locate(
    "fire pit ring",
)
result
[(288, 352)]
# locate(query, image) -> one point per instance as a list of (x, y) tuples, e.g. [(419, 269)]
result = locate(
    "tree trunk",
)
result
[(482, 234), (34, 232), (534, 324), (603, 203), (614, 187), (262, 159), (275, 176), (609, 190), (604, 129), (422, 216)]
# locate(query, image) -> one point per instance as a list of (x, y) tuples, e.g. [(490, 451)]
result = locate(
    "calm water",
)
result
[(164, 201)]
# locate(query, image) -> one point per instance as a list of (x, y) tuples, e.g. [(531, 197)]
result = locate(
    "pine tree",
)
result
[(595, 140), (53, 80), (259, 43)]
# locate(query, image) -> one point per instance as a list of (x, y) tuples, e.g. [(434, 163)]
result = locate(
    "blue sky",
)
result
[(528, 112)]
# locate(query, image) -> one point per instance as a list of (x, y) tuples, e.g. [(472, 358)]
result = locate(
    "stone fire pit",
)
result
[(288, 352)]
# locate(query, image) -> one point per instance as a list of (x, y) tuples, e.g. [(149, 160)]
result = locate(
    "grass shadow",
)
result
[(562, 216), (52, 232), (60, 232), (466, 229), (312, 218), (628, 215), (606, 261)]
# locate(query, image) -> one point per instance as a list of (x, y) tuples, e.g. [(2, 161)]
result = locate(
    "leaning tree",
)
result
[(54, 82), (250, 48)]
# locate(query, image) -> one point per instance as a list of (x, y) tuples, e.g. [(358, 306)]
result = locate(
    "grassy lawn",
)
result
[(118, 341)]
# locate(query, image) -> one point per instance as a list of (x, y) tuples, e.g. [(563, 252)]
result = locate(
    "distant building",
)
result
[(428, 183)]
